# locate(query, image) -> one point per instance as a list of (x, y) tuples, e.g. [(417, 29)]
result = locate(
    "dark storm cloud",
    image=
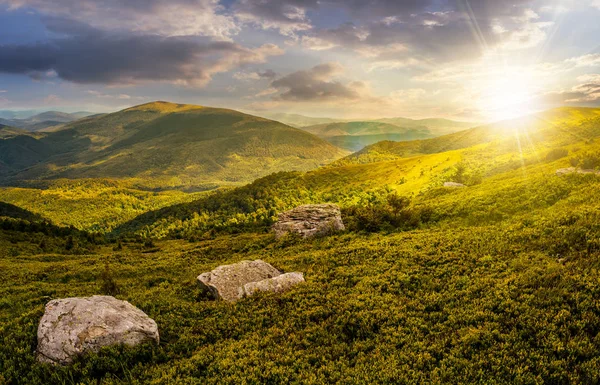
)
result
[(93, 56), (164, 17), (316, 84)]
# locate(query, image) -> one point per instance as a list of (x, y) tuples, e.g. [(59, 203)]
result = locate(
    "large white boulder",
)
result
[(73, 326)]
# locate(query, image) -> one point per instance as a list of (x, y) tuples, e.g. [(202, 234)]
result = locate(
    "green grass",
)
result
[(490, 303), (91, 205), (497, 284)]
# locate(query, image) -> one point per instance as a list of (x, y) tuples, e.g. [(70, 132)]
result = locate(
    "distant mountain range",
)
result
[(42, 120), (164, 144), (355, 135)]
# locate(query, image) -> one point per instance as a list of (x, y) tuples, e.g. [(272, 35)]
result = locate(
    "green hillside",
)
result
[(354, 136), (7, 132), (417, 168), (436, 126), (297, 120), (494, 283), (167, 145)]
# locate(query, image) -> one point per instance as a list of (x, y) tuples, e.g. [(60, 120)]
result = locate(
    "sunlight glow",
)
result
[(507, 97)]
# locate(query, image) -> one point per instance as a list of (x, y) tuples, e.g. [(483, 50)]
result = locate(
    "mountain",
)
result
[(166, 144), (44, 120), (15, 212), (298, 121), (436, 126), (547, 125), (354, 136), (10, 132), (496, 155)]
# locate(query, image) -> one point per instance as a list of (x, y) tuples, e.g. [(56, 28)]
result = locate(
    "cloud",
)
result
[(52, 99), (317, 84), (398, 34), (590, 60), (287, 16), (587, 93), (257, 75), (89, 55), (101, 95), (163, 17)]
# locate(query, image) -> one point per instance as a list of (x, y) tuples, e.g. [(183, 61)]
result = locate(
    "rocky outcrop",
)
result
[(454, 185), (225, 281), (310, 220), (277, 284), (74, 326), (574, 170)]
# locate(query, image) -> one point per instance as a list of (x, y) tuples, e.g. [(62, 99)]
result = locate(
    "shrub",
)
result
[(557, 153), (109, 284), (588, 160)]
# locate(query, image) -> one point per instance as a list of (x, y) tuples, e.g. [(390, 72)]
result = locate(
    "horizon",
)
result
[(467, 61)]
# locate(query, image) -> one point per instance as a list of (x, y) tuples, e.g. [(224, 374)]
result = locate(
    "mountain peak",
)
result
[(164, 107)]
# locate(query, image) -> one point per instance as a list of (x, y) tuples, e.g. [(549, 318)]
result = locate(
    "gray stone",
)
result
[(225, 281), (74, 326), (310, 220), (454, 185), (574, 170), (277, 284)]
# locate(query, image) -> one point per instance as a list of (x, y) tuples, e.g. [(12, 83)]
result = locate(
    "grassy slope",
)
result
[(503, 290), (489, 303), (506, 151), (91, 205), (164, 144)]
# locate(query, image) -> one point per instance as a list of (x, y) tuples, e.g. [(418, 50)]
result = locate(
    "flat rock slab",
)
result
[(225, 281), (574, 170), (277, 284), (310, 220), (454, 185), (74, 326)]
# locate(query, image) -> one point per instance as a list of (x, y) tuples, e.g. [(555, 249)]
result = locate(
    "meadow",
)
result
[(494, 283)]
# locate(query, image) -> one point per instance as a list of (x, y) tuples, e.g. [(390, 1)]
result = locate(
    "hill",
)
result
[(45, 120), (10, 132), (473, 157), (298, 121), (436, 126), (354, 136), (12, 211), (496, 282), (167, 145)]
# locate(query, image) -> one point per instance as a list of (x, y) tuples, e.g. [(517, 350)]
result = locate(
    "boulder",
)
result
[(277, 284), (310, 220), (74, 326), (454, 185), (574, 170), (225, 281)]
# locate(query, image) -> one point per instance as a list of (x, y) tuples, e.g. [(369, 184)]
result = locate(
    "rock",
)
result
[(574, 170), (225, 281), (454, 185), (310, 220), (277, 284), (565, 171), (74, 326)]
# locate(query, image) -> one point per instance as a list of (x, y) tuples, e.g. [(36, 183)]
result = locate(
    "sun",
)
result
[(508, 96)]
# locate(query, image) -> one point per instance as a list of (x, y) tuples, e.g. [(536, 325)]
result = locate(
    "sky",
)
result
[(472, 60)]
